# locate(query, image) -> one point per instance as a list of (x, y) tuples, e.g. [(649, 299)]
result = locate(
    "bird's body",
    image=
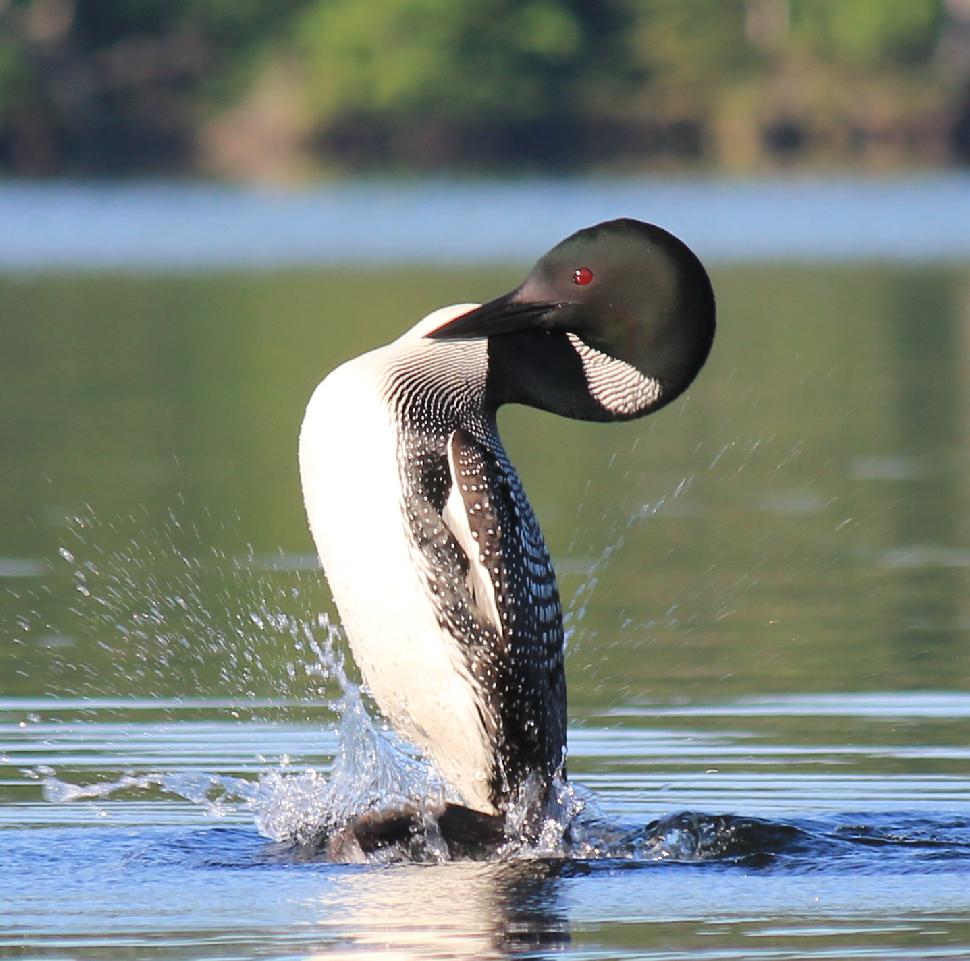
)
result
[(434, 557), (436, 562)]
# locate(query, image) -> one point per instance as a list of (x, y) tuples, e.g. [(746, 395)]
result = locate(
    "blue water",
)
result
[(173, 226), (769, 719), (833, 856)]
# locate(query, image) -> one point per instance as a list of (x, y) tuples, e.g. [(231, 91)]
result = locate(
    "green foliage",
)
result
[(446, 57), (693, 46), (136, 83), (12, 74), (867, 33)]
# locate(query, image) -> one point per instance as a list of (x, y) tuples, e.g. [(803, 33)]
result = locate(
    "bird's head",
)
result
[(612, 323)]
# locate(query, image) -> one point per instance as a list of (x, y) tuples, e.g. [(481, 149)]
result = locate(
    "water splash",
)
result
[(615, 531), (372, 769), (290, 803), (166, 610), (158, 608), (172, 611)]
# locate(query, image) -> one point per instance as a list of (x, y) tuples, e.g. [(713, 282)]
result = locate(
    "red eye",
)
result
[(582, 276)]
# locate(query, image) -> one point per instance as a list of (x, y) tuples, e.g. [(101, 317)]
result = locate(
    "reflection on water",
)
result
[(770, 617), (799, 522), (462, 910)]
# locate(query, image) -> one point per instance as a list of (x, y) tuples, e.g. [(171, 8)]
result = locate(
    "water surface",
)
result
[(768, 589), (186, 226)]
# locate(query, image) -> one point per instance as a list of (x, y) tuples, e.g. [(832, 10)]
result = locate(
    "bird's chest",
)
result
[(349, 465), (369, 486)]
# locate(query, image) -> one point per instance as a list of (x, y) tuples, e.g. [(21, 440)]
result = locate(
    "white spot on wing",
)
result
[(479, 580)]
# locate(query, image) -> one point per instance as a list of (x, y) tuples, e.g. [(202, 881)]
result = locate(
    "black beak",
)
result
[(504, 315)]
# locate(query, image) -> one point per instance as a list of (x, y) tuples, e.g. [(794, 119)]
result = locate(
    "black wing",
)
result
[(519, 661)]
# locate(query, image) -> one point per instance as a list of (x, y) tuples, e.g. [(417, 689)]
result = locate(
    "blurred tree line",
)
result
[(289, 88)]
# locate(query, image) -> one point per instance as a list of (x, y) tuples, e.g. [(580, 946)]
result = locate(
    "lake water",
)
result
[(767, 584), (164, 226)]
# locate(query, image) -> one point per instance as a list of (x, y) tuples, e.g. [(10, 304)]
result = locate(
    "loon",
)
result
[(434, 557)]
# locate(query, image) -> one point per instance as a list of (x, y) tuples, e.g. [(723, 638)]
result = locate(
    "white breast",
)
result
[(352, 489)]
